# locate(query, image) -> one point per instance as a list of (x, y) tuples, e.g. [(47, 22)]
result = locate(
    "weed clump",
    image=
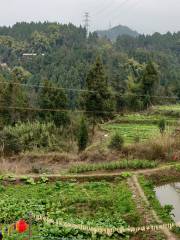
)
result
[(82, 135)]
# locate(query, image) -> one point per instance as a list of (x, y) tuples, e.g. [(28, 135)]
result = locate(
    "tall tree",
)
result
[(142, 84), (150, 79), (133, 92), (53, 98), (15, 96), (150, 83), (99, 101)]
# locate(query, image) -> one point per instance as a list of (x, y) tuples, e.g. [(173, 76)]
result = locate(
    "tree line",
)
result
[(99, 101)]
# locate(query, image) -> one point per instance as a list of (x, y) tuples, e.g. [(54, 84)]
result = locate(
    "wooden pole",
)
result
[(30, 226)]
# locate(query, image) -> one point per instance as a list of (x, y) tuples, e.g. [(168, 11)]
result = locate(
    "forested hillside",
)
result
[(63, 56)]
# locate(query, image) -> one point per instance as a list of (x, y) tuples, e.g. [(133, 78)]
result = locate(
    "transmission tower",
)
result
[(86, 22)]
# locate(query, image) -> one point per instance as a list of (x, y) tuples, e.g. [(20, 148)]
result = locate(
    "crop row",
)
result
[(123, 164)]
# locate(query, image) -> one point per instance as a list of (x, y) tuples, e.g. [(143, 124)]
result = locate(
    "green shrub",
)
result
[(43, 179), (162, 126), (10, 143), (10, 178), (29, 136), (30, 181), (126, 175), (117, 142), (176, 230)]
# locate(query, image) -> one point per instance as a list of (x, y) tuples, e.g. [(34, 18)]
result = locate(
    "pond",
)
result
[(170, 195)]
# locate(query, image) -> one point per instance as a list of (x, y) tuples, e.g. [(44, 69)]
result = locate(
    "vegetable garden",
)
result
[(93, 203)]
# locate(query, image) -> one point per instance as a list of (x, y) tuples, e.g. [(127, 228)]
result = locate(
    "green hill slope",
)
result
[(117, 31)]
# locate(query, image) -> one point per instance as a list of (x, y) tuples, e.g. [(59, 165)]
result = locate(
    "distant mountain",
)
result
[(114, 32)]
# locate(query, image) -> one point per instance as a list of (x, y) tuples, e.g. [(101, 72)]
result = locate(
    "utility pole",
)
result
[(86, 22)]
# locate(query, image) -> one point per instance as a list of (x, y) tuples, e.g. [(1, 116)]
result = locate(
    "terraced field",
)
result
[(139, 126), (144, 119), (132, 131), (167, 110)]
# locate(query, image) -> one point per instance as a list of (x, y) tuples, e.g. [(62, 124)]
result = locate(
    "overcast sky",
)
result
[(145, 16)]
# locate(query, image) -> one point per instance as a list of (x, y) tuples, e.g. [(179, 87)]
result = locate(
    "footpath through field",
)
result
[(97, 176), (133, 182)]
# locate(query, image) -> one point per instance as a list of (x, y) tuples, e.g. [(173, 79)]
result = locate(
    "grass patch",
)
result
[(163, 212), (124, 164), (175, 107)]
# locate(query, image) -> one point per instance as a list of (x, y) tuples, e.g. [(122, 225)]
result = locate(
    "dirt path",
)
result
[(146, 217), (166, 231), (97, 176)]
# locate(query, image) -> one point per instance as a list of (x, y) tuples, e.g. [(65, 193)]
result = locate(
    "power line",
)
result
[(103, 8), (124, 3), (39, 109), (55, 110), (91, 91), (41, 86), (111, 7)]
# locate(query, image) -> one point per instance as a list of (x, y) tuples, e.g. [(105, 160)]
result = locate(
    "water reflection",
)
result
[(170, 195)]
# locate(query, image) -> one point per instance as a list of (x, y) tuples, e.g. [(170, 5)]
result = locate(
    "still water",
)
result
[(170, 195)]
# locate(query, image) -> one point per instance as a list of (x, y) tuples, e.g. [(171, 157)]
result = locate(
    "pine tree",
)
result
[(52, 98), (99, 101), (82, 135)]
